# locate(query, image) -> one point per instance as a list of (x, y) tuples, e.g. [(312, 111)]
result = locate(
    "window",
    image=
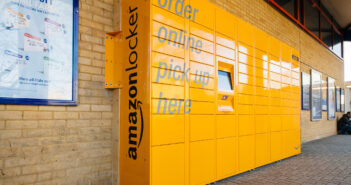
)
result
[(224, 81), (314, 18)]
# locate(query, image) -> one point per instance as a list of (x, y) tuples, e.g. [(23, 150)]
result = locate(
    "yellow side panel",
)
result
[(246, 153), (246, 125), (202, 162), (202, 127), (168, 165), (276, 146), (167, 129), (226, 126), (225, 27), (262, 149), (226, 157), (262, 123)]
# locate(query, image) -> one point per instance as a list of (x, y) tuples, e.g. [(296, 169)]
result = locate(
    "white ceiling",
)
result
[(340, 10)]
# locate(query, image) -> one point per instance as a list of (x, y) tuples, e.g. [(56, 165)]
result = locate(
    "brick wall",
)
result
[(313, 55), (65, 145)]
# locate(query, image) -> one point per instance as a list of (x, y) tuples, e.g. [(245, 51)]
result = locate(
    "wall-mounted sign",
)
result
[(306, 87), (324, 95), (38, 52), (331, 99), (342, 100), (316, 95), (338, 99)]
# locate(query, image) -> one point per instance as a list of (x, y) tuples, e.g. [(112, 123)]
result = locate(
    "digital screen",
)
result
[(224, 80)]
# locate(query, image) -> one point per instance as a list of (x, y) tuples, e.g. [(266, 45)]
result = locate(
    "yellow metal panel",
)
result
[(246, 99), (262, 82), (246, 33), (246, 79), (262, 124), (261, 55), (203, 82), (202, 108), (176, 92), (225, 41), (206, 14), (166, 171), (246, 49), (202, 95), (226, 126), (203, 57), (168, 18), (113, 66), (164, 47), (165, 61), (246, 89), (262, 149), (262, 91), (207, 46), (286, 52), (167, 129), (276, 123), (197, 68), (274, 47), (262, 100), (274, 101), (275, 76), (246, 153), (261, 40), (162, 106), (243, 58), (226, 157), (202, 162), (167, 77), (246, 125), (245, 109), (202, 127), (260, 109), (246, 69), (276, 146), (261, 73), (225, 52), (201, 31), (226, 27)]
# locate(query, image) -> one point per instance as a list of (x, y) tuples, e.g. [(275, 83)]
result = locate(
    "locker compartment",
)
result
[(261, 73), (245, 59), (262, 91), (201, 31), (207, 19), (168, 18), (261, 41), (246, 124), (246, 99), (167, 129), (227, 27), (246, 69), (262, 149), (202, 95), (167, 77), (246, 79), (196, 68), (245, 48), (246, 89), (246, 153), (276, 123), (274, 47), (226, 126), (164, 62), (225, 52), (261, 82), (202, 108), (202, 127), (261, 109), (206, 46), (164, 47), (246, 33), (202, 81), (276, 146), (176, 92), (225, 41), (245, 109), (286, 52), (168, 165), (262, 124), (203, 57), (261, 100), (226, 157), (202, 162)]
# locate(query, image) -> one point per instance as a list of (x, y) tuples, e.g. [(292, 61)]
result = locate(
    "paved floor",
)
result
[(325, 161)]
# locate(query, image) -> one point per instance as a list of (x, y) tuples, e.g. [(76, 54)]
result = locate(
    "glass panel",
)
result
[(224, 80), (337, 44), (288, 5), (326, 32), (311, 17)]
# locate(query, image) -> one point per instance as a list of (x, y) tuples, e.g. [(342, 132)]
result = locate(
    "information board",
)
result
[(306, 87), (338, 99), (324, 95), (38, 52), (316, 95), (342, 100), (331, 99)]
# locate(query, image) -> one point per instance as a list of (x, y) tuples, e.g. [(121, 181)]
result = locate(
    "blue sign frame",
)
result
[(74, 101)]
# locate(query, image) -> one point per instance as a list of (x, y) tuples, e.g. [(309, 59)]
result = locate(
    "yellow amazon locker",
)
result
[(204, 95)]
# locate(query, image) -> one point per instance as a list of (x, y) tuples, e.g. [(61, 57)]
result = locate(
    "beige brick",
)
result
[(23, 142), (44, 176), (36, 115), (37, 132), (102, 108), (51, 123), (2, 107), (90, 115), (65, 115), (24, 179), (6, 134), (2, 124), (78, 123), (10, 172), (79, 108), (88, 69), (10, 115), (21, 124), (21, 107), (52, 108)]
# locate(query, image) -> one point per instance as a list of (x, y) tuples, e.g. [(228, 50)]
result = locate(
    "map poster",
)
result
[(316, 95), (331, 99), (342, 100), (306, 87), (38, 64), (324, 95), (338, 99)]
